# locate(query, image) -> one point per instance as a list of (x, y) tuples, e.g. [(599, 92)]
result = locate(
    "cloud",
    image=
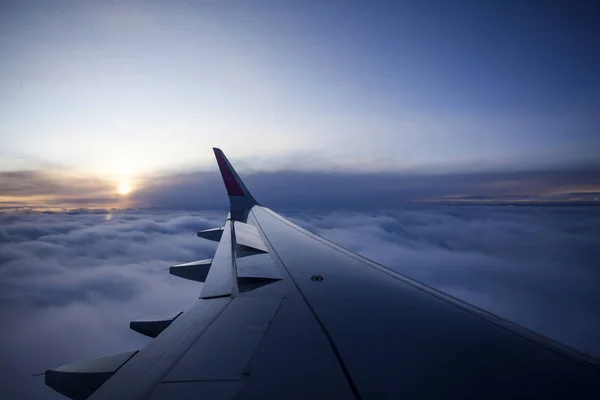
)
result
[(71, 282), (55, 188), (335, 189), (27, 183)]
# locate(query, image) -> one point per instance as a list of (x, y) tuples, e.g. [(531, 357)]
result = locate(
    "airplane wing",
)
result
[(285, 314)]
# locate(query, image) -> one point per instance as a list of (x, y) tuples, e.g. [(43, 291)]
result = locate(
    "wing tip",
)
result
[(233, 183)]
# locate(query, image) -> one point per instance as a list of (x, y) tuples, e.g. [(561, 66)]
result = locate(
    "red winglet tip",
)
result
[(231, 184)]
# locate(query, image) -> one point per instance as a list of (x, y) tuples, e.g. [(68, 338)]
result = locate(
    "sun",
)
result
[(124, 188)]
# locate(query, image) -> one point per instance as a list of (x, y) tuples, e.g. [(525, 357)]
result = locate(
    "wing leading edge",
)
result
[(284, 313)]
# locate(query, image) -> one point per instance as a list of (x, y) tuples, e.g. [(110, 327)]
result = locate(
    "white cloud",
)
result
[(71, 282)]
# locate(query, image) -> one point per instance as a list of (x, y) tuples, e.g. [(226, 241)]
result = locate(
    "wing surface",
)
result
[(283, 313)]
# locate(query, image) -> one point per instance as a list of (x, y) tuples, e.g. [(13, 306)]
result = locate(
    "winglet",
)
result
[(237, 191)]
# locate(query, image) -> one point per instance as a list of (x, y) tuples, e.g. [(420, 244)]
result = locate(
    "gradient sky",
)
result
[(126, 87), (322, 104)]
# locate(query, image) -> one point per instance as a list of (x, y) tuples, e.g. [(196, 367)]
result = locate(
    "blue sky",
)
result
[(126, 88), (320, 105)]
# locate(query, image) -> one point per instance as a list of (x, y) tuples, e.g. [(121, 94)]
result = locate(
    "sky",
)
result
[(411, 132), (127, 91)]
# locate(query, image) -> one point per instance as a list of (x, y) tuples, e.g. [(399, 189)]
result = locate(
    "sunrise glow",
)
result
[(124, 188)]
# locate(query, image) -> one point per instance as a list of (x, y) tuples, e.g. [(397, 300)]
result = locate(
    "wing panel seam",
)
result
[(328, 336), (174, 345)]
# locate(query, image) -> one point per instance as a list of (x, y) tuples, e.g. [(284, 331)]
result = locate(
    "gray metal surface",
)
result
[(194, 271), (396, 339), (257, 266), (247, 229), (213, 234), (294, 359), (224, 350), (220, 279), (79, 380), (138, 377), (101, 364), (291, 360), (154, 325), (196, 390), (248, 237)]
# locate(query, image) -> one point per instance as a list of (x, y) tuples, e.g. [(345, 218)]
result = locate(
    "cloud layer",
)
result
[(54, 188), (71, 282)]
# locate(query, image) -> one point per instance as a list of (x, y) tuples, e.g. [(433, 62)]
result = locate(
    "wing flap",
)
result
[(240, 329), (194, 271), (220, 278), (213, 234), (79, 380), (248, 239), (154, 325), (138, 377)]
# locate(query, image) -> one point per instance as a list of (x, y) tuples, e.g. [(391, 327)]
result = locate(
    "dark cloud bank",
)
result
[(71, 282), (296, 189), (334, 190)]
